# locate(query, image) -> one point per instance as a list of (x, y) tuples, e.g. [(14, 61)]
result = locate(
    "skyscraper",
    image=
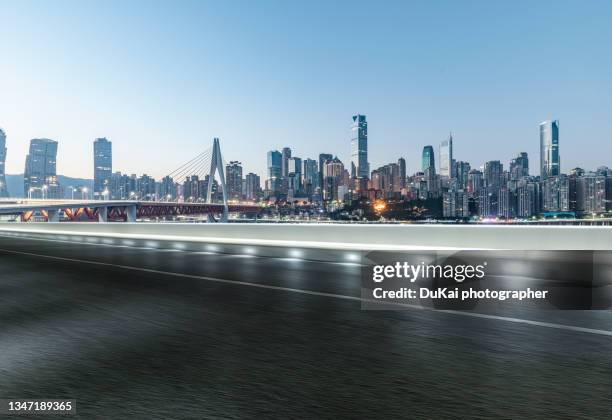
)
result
[(310, 176), (428, 159), (401, 163), (461, 173), (333, 171), (519, 166), (360, 167), (275, 163), (493, 172), (103, 166), (294, 174), (474, 181), (253, 186), (285, 162), (549, 149), (40, 176), (3, 187), (323, 157), (446, 157), (233, 177), (555, 194), (167, 189)]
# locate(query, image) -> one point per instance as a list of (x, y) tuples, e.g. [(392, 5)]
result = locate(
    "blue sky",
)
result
[(160, 79)]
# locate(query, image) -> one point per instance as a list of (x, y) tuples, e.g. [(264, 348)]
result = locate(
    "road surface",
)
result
[(173, 334)]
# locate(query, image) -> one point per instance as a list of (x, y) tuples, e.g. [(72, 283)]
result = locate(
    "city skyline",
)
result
[(170, 78), (454, 188), (436, 149)]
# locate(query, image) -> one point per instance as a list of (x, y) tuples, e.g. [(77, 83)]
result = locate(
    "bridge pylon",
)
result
[(216, 164)]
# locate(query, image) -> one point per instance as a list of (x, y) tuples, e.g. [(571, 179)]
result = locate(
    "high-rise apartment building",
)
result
[(167, 189), (360, 168), (475, 181), (573, 187), (591, 193), (527, 199), (493, 174), (461, 174), (387, 180), (252, 186), (333, 172), (519, 166), (233, 178), (146, 188), (555, 194), (103, 167), (549, 149), (455, 204)]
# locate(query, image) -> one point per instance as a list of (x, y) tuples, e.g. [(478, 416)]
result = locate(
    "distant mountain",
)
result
[(14, 184)]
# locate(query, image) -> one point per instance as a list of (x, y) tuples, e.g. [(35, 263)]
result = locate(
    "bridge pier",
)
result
[(130, 212), (103, 214), (53, 216)]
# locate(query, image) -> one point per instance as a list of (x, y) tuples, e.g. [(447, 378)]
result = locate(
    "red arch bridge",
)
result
[(117, 210)]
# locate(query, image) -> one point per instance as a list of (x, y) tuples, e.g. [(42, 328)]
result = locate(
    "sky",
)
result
[(161, 79)]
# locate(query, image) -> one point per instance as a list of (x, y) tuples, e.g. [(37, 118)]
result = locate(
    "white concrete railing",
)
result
[(338, 237)]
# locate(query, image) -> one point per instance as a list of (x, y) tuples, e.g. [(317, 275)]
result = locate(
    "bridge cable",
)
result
[(187, 170), (185, 165)]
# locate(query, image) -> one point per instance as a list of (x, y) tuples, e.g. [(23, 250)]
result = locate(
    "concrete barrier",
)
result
[(342, 236)]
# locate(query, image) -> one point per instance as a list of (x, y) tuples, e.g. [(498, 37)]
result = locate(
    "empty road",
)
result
[(174, 334)]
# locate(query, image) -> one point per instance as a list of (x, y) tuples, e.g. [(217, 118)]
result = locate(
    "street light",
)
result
[(84, 193), (30, 191), (44, 190)]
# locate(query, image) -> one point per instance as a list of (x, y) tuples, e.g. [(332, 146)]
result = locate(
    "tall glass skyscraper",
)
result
[(294, 174), (286, 155), (549, 149), (360, 168), (310, 176), (3, 187), (275, 163), (446, 157), (428, 160), (40, 174), (103, 166)]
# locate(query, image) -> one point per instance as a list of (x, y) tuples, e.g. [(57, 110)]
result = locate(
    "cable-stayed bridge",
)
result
[(202, 167)]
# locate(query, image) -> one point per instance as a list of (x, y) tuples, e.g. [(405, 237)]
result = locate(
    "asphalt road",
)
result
[(173, 334)]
